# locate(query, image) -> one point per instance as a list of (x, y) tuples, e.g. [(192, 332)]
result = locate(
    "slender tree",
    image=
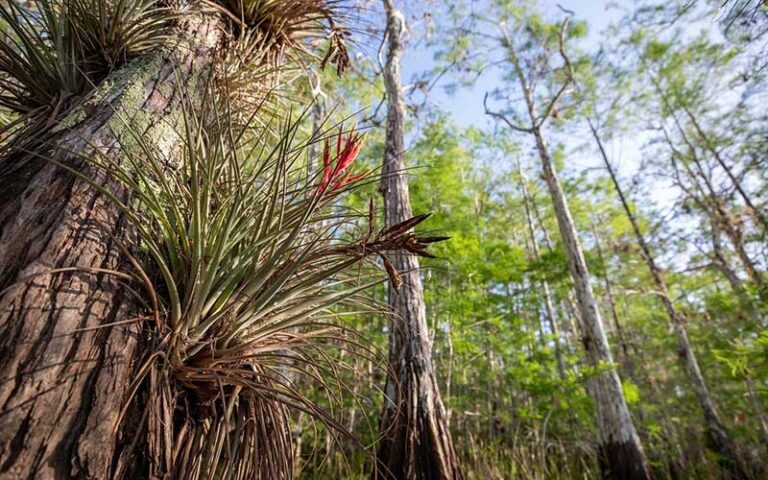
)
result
[(720, 440), (416, 442), (549, 306), (621, 455)]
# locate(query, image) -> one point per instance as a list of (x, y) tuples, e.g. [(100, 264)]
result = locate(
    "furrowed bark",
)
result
[(416, 442), (719, 439), (69, 341)]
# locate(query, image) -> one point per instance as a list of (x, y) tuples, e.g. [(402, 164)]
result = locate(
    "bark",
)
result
[(69, 341), (719, 438), (621, 455), (416, 442)]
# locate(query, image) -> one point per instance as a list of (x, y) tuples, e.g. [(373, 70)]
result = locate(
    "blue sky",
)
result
[(466, 104)]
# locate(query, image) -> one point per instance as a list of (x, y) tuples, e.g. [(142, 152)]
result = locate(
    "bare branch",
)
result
[(568, 69), (503, 118)]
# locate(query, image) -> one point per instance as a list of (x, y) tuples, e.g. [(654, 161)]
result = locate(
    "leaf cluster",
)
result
[(53, 50)]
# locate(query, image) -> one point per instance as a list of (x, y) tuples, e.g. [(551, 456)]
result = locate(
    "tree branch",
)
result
[(503, 118), (568, 69)]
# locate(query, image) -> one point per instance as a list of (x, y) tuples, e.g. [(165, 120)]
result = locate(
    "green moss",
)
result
[(125, 90)]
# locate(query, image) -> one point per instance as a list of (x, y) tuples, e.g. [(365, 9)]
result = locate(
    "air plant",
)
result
[(277, 41), (248, 272), (273, 29), (53, 50)]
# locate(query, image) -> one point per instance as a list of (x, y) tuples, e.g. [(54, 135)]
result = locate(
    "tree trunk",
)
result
[(722, 265), (549, 307), (566, 304), (416, 442), (623, 344), (621, 455), (69, 340), (720, 441), (716, 208)]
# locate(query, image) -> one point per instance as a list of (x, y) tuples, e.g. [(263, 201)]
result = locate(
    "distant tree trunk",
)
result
[(416, 442), (549, 307), (715, 205), (720, 216), (756, 213), (621, 454), (566, 304), (626, 358), (720, 441), (755, 401), (69, 339), (722, 265)]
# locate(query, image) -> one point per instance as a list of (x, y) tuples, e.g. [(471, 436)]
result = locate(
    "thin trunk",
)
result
[(549, 308), (566, 304), (68, 351), (755, 212), (716, 210), (621, 454), (720, 440), (623, 345), (721, 216), (416, 442), (318, 117), (720, 261), (352, 425), (755, 401), (721, 264)]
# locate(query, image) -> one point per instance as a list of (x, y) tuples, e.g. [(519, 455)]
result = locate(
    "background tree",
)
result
[(416, 441)]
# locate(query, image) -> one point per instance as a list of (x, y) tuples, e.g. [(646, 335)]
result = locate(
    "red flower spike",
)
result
[(352, 148), (335, 177), (350, 179)]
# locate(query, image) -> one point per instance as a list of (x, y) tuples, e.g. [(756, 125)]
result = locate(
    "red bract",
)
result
[(337, 175)]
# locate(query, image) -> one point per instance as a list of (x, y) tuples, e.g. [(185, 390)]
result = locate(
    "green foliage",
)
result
[(631, 392)]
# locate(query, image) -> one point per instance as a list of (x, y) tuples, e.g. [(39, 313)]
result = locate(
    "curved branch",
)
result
[(503, 118)]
